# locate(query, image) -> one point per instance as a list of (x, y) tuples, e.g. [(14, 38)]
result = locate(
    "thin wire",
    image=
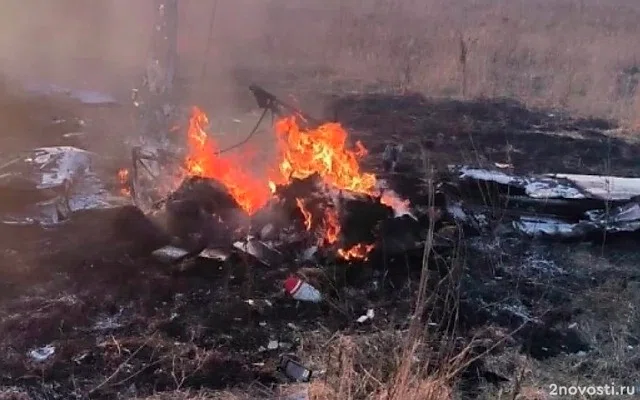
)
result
[(251, 134)]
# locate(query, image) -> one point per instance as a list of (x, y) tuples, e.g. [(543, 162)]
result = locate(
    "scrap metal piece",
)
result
[(46, 185), (169, 254), (624, 218), (214, 254), (172, 254), (295, 370), (603, 187), (554, 205), (538, 187), (259, 250)]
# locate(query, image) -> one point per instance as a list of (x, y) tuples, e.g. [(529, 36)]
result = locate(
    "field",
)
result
[(542, 85)]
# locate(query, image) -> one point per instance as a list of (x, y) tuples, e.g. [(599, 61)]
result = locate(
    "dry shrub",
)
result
[(578, 55), (375, 367)]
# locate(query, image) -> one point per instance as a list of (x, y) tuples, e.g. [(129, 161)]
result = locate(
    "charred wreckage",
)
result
[(200, 204)]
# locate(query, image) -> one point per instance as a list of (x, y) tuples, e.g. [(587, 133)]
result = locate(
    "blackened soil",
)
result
[(120, 321), (482, 133)]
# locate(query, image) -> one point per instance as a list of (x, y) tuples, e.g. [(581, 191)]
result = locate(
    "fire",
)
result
[(204, 160), (322, 151), (123, 179), (358, 252), (330, 228), (306, 214), (302, 153), (331, 233)]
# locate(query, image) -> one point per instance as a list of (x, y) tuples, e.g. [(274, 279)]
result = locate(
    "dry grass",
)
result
[(578, 54)]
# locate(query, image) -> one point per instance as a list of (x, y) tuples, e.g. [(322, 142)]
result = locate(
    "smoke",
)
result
[(105, 43), (73, 42)]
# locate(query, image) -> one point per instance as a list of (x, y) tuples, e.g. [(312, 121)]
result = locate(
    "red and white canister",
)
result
[(301, 290)]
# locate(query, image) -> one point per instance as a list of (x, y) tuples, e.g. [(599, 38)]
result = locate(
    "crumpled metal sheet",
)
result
[(171, 254), (47, 184), (604, 203), (603, 187), (261, 251), (538, 187)]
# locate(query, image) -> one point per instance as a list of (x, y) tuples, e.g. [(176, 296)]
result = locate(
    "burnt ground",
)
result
[(124, 325)]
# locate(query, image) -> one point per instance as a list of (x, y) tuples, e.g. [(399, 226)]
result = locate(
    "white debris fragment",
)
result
[(308, 254), (503, 165), (81, 357), (273, 345), (457, 212), (537, 187), (73, 134), (543, 225), (42, 353), (604, 187), (368, 316)]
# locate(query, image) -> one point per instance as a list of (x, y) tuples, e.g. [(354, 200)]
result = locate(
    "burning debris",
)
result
[(317, 196), (316, 193)]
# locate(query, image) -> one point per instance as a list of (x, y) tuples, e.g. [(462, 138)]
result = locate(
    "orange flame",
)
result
[(321, 151), (330, 228), (358, 252), (306, 214), (205, 161), (303, 152), (123, 179)]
